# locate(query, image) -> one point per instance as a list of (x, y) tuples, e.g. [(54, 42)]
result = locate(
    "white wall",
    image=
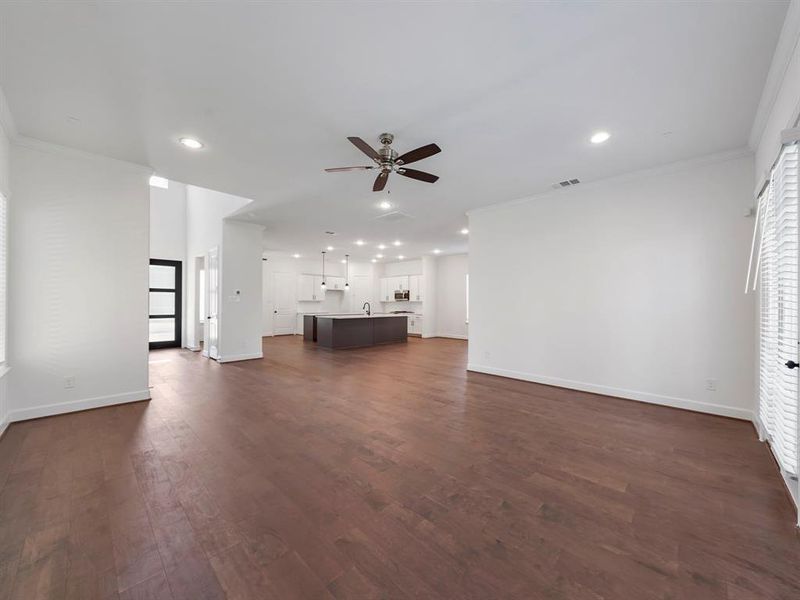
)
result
[(168, 222), (240, 291), (78, 280), (5, 151), (780, 101), (205, 210), (430, 276), (168, 232), (451, 296), (630, 287), (6, 191)]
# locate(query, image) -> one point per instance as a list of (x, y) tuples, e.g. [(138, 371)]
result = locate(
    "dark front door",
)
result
[(165, 303)]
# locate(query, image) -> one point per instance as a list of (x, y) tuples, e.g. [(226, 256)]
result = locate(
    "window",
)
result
[(776, 273), (3, 271)]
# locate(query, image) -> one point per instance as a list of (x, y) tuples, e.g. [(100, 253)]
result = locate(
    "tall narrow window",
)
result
[(777, 276)]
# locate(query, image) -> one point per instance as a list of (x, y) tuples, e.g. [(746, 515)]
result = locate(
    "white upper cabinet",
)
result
[(334, 283), (415, 286), (386, 294), (401, 283), (309, 288)]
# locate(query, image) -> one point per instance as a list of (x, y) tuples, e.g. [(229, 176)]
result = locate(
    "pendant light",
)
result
[(346, 272), (322, 285)]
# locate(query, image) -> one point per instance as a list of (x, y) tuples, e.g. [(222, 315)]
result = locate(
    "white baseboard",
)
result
[(452, 336), (684, 403), (4, 425), (47, 410), (194, 348), (238, 357)]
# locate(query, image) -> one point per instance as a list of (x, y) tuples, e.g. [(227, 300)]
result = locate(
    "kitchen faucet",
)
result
[(367, 307)]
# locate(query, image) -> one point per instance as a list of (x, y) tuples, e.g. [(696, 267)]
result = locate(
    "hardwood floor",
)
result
[(387, 472)]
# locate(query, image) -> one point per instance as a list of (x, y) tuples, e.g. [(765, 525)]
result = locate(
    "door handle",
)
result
[(792, 365)]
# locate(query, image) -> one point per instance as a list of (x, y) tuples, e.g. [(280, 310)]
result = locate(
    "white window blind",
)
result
[(3, 272), (777, 276)]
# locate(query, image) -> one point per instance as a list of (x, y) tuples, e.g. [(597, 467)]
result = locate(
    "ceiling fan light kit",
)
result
[(389, 161)]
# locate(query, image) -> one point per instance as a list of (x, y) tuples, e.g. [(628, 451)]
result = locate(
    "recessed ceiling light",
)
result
[(374, 260), (330, 248), (159, 182), (464, 231), (397, 243), (191, 143), (379, 256), (401, 257), (359, 242), (343, 261), (600, 137), (385, 205), (436, 251), (381, 246), (296, 255)]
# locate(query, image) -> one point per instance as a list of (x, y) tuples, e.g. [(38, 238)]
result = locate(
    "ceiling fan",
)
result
[(387, 160)]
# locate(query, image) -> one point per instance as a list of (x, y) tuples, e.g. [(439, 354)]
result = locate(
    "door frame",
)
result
[(178, 291), (207, 346)]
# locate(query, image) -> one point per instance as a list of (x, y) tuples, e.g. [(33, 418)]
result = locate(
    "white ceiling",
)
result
[(511, 93)]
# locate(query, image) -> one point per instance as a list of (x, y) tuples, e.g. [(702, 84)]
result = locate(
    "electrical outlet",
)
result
[(69, 382), (711, 385)]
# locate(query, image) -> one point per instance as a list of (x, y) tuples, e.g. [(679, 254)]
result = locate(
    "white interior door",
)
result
[(284, 292), (211, 346)]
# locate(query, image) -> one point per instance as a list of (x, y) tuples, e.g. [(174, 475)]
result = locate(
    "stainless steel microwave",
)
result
[(400, 295)]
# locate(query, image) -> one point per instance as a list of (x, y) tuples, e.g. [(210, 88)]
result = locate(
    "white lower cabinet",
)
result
[(415, 324)]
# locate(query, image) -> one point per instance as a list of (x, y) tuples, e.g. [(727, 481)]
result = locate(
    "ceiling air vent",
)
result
[(394, 217), (566, 183)]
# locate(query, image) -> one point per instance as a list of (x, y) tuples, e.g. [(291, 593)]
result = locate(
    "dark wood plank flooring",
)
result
[(387, 472)]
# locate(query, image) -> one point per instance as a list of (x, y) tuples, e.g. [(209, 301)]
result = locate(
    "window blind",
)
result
[(777, 276)]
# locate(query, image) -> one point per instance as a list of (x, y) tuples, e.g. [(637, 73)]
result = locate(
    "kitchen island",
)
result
[(359, 331)]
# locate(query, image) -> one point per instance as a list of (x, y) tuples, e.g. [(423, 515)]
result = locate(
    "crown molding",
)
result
[(781, 59), (674, 167), (51, 148)]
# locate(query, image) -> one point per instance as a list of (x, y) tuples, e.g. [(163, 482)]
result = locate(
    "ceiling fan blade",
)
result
[(365, 148), (380, 181), (418, 154), (340, 169), (421, 175)]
